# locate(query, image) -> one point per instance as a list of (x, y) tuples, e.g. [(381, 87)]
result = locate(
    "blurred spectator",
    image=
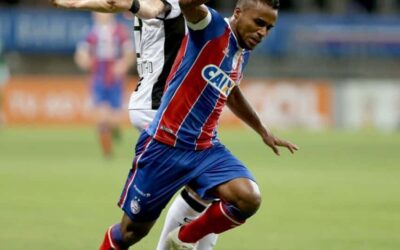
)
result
[(107, 53), (4, 76)]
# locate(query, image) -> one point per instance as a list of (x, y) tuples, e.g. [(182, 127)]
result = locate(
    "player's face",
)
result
[(252, 23)]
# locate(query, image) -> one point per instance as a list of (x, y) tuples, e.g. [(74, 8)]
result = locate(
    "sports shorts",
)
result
[(159, 171), (111, 94)]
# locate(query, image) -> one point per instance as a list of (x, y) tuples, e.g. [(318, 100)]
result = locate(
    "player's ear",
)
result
[(237, 12)]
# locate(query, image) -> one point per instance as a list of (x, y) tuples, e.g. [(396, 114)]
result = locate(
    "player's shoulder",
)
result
[(216, 16)]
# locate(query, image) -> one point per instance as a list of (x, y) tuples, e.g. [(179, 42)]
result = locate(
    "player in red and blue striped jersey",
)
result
[(189, 113), (107, 53), (181, 146)]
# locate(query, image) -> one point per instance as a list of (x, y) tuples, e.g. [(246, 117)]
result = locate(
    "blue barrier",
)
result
[(335, 36)]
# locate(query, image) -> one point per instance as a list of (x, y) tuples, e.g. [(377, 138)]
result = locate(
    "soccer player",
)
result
[(157, 43), (107, 52), (181, 147)]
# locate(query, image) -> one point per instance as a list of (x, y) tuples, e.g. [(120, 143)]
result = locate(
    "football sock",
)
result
[(217, 218), (208, 241), (116, 133), (112, 239), (105, 139), (183, 210)]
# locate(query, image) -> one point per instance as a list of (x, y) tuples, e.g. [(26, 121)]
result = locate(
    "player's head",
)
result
[(252, 19)]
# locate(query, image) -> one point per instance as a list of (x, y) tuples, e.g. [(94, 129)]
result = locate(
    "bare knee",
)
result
[(243, 193), (248, 201)]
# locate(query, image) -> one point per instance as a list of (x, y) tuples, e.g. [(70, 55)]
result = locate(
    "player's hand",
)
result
[(274, 143)]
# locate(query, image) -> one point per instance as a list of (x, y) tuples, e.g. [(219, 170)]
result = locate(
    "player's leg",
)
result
[(126, 233), (228, 179), (104, 128), (158, 172), (100, 110), (186, 207), (240, 199), (115, 123)]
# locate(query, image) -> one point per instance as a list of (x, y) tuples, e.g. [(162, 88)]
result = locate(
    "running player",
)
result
[(181, 147), (107, 52)]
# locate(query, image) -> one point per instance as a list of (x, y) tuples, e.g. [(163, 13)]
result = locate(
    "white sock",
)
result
[(178, 214)]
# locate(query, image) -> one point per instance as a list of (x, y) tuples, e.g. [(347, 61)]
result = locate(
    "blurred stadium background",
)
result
[(327, 78)]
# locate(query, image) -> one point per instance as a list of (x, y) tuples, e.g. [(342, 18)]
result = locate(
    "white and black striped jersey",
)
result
[(157, 42)]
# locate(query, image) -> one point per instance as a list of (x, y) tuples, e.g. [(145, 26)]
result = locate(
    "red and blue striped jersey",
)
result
[(105, 44), (208, 65)]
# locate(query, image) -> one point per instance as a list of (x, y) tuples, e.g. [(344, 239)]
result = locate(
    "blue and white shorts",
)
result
[(160, 170)]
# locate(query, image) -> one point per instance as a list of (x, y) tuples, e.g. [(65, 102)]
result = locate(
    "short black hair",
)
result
[(274, 4)]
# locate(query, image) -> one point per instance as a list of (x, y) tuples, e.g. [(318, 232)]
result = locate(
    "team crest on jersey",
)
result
[(218, 79)]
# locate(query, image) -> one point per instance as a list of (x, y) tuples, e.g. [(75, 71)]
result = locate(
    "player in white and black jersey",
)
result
[(157, 42), (158, 32)]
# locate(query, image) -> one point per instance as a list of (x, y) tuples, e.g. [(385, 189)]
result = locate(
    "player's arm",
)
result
[(144, 9), (82, 57), (194, 10), (239, 105), (94, 5)]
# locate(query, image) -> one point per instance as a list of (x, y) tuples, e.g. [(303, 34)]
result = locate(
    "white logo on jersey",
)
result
[(218, 79), (141, 192)]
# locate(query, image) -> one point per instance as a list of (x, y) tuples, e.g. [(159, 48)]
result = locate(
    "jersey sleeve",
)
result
[(202, 24), (212, 26)]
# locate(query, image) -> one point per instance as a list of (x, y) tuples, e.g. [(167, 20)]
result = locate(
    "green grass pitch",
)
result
[(341, 191)]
